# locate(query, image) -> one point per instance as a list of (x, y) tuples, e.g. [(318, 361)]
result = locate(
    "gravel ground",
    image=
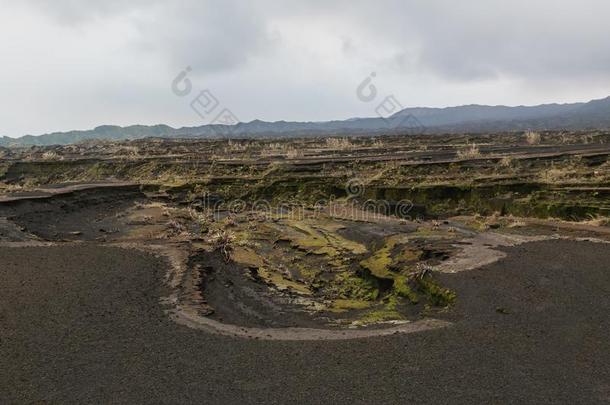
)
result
[(83, 324)]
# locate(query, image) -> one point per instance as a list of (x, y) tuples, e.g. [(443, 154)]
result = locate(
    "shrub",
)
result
[(51, 155), (339, 143), (470, 152), (532, 138)]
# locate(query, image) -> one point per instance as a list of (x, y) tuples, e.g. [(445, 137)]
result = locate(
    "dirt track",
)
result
[(84, 324)]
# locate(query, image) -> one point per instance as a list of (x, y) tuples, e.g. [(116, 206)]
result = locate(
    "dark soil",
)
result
[(83, 324), (239, 297), (84, 215)]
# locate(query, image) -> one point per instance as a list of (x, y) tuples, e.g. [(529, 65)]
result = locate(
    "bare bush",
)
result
[(222, 240), (554, 175), (378, 143), (506, 161), (236, 146), (470, 152), (51, 155), (175, 228), (587, 139), (293, 153), (532, 138), (339, 143)]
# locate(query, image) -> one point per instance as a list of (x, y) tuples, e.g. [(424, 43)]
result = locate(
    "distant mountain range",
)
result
[(464, 119)]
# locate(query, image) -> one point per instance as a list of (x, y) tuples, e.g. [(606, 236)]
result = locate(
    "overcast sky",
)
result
[(76, 64)]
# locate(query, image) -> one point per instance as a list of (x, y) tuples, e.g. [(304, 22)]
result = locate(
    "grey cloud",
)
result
[(298, 59), (207, 35), (469, 40), (474, 40), (210, 35), (82, 11)]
